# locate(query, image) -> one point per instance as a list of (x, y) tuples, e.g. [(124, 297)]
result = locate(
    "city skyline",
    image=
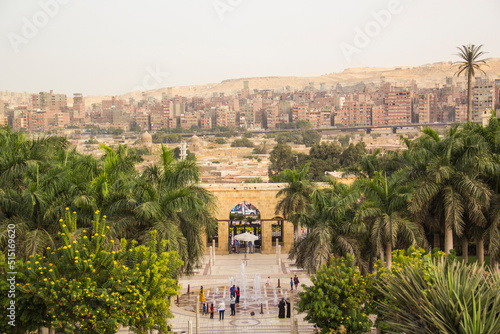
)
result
[(113, 47)]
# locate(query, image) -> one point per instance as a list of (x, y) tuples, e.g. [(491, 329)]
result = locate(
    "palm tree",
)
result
[(295, 198), (32, 190), (332, 231), (167, 198), (450, 187), (488, 163), (386, 207), (470, 62)]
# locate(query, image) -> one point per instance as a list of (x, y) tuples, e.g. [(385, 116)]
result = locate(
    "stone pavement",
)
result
[(216, 282)]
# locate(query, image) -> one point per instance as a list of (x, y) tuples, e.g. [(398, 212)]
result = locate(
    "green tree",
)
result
[(310, 137), (338, 299), (281, 157), (167, 198), (91, 285), (295, 197), (469, 64), (352, 155), (385, 208), (329, 220), (242, 142), (450, 186), (344, 140)]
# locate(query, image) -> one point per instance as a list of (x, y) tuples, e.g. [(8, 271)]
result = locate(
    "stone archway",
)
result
[(263, 197), (245, 217)]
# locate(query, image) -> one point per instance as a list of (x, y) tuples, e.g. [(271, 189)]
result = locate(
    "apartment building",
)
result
[(399, 106), (482, 97), (354, 113), (428, 110)]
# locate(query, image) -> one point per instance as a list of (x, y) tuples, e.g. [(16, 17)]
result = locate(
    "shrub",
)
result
[(242, 142), (340, 296), (91, 285)]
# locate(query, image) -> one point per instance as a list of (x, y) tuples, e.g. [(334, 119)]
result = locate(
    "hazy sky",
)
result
[(115, 46)]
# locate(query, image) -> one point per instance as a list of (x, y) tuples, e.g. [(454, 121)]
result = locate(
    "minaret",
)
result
[(183, 154)]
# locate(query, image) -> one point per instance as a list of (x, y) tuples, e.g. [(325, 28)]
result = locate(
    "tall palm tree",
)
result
[(332, 230), (386, 208), (450, 187), (295, 198), (469, 64), (488, 164)]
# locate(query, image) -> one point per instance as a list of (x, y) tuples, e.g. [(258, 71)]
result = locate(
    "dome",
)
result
[(194, 139), (146, 138)]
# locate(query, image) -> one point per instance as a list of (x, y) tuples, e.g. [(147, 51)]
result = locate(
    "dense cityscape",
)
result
[(380, 104), (230, 166)]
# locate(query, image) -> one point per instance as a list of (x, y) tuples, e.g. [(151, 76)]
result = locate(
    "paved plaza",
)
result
[(216, 282)]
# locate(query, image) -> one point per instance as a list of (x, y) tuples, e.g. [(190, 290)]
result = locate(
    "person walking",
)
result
[(291, 284), (296, 282), (202, 295), (221, 308), (211, 311), (204, 309), (233, 305)]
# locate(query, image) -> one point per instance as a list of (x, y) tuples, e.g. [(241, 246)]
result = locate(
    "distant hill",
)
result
[(427, 76)]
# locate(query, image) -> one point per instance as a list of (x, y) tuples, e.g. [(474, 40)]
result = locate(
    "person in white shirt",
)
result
[(233, 305), (221, 308)]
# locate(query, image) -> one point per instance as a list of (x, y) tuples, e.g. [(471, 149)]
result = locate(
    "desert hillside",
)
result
[(426, 76)]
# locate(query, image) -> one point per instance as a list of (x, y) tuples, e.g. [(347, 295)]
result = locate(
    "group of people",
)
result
[(221, 308), (235, 299)]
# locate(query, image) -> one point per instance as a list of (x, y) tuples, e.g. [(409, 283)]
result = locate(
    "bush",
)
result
[(254, 180), (91, 285), (339, 297), (220, 141), (242, 142)]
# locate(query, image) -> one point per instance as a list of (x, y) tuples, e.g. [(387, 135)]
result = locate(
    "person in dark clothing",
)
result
[(287, 309), (211, 311), (237, 295), (232, 290), (281, 307), (296, 282)]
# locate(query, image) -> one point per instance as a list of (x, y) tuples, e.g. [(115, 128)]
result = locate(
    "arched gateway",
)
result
[(262, 197)]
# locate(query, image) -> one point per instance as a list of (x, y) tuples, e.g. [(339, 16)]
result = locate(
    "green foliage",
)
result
[(220, 141), (91, 285), (92, 140), (344, 140), (138, 151), (135, 128), (428, 293), (294, 125), (282, 157), (242, 142), (248, 135), (261, 149), (254, 180), (339, 296), (115, 132), (166, 138)]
